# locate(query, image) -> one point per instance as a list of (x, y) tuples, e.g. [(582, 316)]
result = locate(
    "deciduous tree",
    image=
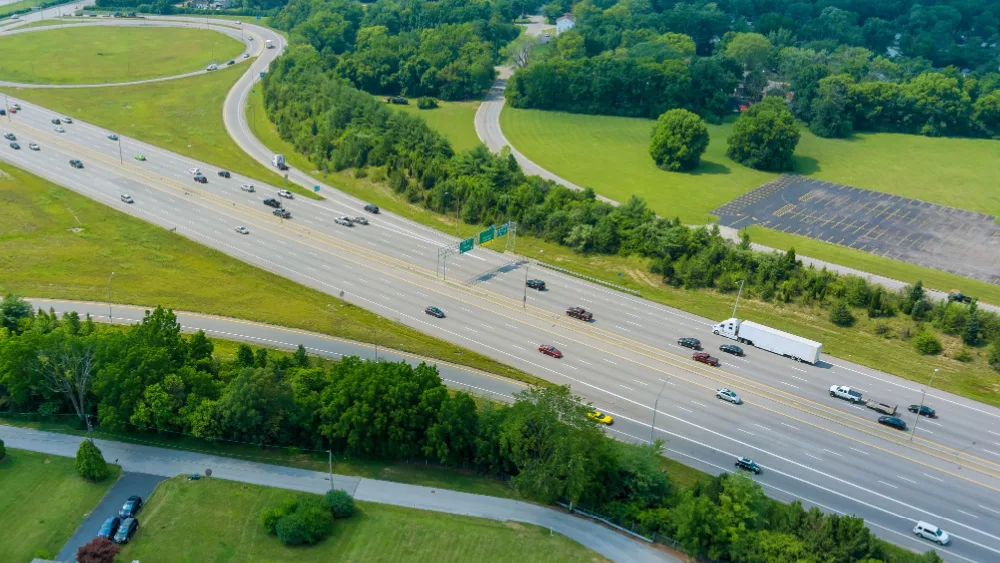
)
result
[(679, 139)]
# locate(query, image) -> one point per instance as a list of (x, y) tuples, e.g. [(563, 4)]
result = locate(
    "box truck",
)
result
[(770, 339), (268, 44)]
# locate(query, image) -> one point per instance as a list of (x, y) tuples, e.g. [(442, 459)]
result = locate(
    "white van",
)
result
[(212, 66), (931, 532)]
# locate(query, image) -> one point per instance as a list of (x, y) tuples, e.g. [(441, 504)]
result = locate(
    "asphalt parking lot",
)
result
[(945, 238)]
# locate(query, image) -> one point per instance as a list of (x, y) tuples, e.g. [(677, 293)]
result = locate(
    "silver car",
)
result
[(247, 187), (345, 221), (728, 395)]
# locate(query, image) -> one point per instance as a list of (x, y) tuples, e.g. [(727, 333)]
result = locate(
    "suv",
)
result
[(247, 187), (109, 527), (931, 532), (286, 194), (579, 313), (536, 284), (704, 358), (56, 121), (371, 208), (748, 464), (692, 343), (201, 179), (10, 137), (283, 213), (272, 202), (893, 422), (126, 530), (131, 507), (225, 174), (127, 199)]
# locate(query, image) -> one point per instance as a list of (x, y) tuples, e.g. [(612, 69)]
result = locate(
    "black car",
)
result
[(10, 137), (200, 179), (731, 349), (283, 213), (224, 173), (76, 163), (131, 507), (434, 312), (693, 343), (536, 284), (3, 111), (109, 527), (126, 530), (924, 410), (230, 63), (747, 464), (892, 421), (272, 202), (15, 146), (371, 208), (56, 121), (112, 136)]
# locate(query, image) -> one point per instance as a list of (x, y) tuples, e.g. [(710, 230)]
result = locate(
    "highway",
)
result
[(811, 446)]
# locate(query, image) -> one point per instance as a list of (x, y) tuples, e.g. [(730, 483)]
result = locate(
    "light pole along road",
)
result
[(812, 447)]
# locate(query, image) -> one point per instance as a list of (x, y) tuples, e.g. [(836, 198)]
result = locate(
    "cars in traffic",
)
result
[(580, 313), (359, 220), (550, 350), (34, 146), (131, 507), (212, 66), (692, 343), (535, 284), (201, 179), (922, 410), (112, 136), (705, 358), (931, 532), (434, 312), (59, 129), (892, 422), (345, 221), (248, 188), (285, 194), (57, 121), (76, 163), (272, 202), (140, 157), (127, 199), (230, 63), (846, 393), (224, 174), (372, 208), (283, 213), (242, 230), (126, 530), (109, 527), (10, 137), (732, 349), (15, 146), (194, 171), (67, 120), (727, 394), (602, 417), (747, 464)]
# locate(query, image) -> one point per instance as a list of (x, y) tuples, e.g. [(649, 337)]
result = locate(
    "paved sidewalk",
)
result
[(168, 463)]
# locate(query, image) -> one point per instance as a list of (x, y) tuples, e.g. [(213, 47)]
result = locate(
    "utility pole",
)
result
[(111, 320), (655, 405), (120, 160), (6, 106), (922, 395), (738, 298)]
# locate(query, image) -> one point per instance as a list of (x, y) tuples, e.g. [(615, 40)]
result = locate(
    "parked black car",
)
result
[(536, 284), (693, 343), (731, 349), (109, 527), (126, 530), (131, 507), (892, 421)]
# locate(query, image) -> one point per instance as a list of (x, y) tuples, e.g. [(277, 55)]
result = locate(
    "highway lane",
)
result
[(580, 372)]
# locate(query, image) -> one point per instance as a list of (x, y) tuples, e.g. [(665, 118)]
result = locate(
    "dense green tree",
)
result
[(972, 331), (679, 139), (987, 114), (764, 136), (340, 503), (926, 343), (831, 109), (939, 106), (840, 315), (698, 527), (90, 462), (3, 450), (12, 310), (749, 49)]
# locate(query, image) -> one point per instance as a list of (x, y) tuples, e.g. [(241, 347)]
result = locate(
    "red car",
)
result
[(550, 351), (704, 358)]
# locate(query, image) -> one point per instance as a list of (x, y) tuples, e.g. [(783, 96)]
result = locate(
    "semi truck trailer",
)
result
[(770, 339)]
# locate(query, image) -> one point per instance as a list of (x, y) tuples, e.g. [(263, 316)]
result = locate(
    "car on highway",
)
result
[(201, 179), (371, 208), (931, 532), (11, 110), (59, 129), (15, 146), (3, 111), (246, 55), (704, 358), (893, 422), (194, 171), (112, 136), (248, 188), (15, 106), (127, 529), (127, 198), (550, 350), (731, 349), (56, 121), (359, 220), (242, 230), (748, 464), (272, 202), (924, 410), (535, 284), (580, 313), (225, 174), (285, 194), (10, 137), (212, 66), (109, 527), (131, 507), (76, 163), (283, 213), (140, 157), (692, 343), (602, 417), (345, 221), (434, 312), (230, 63), (34, 146), (728, 395), (67, 120)]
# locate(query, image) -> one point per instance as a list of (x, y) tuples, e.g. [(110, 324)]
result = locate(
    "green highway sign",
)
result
[(502, 229), (465, 246), (487, 235)]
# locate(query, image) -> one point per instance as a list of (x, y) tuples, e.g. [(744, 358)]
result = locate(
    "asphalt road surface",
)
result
[(813, 447)]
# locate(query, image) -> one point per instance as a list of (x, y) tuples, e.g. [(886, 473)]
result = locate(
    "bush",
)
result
[(764, 137), (3, 450), (427, 102), (927, 344), (309, 524), (963, 355), (679, 139), (994, 358), (340, 503), (840, 315), (90, 462), (98, 550)]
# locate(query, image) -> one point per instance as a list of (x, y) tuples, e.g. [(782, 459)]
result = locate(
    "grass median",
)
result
[(42, 502), (58, 244)]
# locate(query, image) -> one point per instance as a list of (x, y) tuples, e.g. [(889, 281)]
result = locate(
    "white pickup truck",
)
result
[(846, 393)]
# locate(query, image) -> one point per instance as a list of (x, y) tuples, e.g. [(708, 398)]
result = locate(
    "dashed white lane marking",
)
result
[(813, 456), (889, 484), (905, 479), (789, 425), (967, 514)]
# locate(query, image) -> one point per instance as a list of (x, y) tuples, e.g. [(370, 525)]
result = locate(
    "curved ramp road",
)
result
[(824, 451)]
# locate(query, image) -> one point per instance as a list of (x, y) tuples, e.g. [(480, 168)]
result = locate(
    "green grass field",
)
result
[(455, 120), (217, 520), (102, 54), (45, 257), (18, 6), (42, 502)]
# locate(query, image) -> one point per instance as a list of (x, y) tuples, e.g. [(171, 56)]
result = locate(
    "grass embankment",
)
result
[(42, 502), (455, 120), (18, 6), (109, 54), (218, 520), (56, 243), (183, 115)]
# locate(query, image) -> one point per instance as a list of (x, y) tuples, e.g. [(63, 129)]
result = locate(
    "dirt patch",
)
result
[(513, 525), (642, 277), (76, 229)]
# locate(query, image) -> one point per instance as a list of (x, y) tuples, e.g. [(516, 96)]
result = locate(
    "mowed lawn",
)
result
[(58, 244), (218, 520), (455, 120), (106, 54), (42, 502)]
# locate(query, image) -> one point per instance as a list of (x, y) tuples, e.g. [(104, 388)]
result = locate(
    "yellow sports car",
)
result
[(603, 418)]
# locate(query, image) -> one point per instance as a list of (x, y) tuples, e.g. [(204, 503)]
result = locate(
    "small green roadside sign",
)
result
[(465, 246), (502, 229)]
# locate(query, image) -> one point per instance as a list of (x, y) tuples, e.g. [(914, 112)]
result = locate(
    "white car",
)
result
[(67, 120), (127, 198), (212, 66), (286, 194), (246, 55), (194, 171), (242, 230), (16, 106), (931, 532), (59, 129), (729, 395), (34, 146), (345, 221), (247, 188)]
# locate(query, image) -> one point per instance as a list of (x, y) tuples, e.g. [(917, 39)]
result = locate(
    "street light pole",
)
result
[(111, 319), (738, 298), (655, 405), (120, 160), (922, 395)]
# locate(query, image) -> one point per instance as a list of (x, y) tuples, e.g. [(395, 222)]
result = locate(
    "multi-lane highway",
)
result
[(811, 446)]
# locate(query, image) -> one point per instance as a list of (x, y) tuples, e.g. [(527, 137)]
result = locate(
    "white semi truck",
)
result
[(770, 339)]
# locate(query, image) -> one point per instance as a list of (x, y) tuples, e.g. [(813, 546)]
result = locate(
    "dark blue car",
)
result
[(131, 507), (109, 527)]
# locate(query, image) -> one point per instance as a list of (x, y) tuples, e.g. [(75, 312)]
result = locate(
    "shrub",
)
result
[(3, 450), (840, 315), (308, 524), (269, 517), (994, 358), (765, 136), (340, 503), (679, 139), (963, 355), (98, 550), (90, 462), (427, 102), (927, 344)]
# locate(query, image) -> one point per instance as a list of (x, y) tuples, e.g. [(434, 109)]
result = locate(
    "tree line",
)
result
[(151, 377)]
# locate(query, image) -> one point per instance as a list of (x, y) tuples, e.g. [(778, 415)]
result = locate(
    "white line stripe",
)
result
[(966, 513), (889, 484)]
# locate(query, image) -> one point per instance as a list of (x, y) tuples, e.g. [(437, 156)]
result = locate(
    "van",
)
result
[(931, 532)]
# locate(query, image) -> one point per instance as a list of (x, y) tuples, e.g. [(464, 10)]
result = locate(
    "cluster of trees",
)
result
[(165, 7), (443, 49), (307, 521)]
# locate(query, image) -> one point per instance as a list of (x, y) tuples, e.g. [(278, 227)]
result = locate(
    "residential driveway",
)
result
[(129, 484)]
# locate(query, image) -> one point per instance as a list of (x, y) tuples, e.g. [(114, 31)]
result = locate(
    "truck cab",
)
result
[(846, 393)]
